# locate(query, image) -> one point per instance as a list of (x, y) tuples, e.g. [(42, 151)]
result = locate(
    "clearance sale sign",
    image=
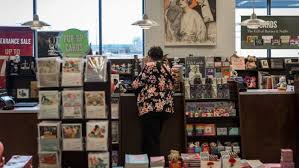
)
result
[(16, 41)]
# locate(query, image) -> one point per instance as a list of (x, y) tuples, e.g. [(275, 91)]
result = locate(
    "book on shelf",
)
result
[(136, 161), (210, 62), (96, 68), (49, 159), (95, 105), (114, 158), (48, 72), (114, 108), (210, 109), (114, 131), (218, 62), (72, 137), (204, 129), (49, 102), (49, 135), (72, 72), (98, 160), (221, 131), (33, 89), (277, 63), (72, 104), (157, 161), (237, 63), (114, 83), (97, 136), (195, 65), (233, 131)]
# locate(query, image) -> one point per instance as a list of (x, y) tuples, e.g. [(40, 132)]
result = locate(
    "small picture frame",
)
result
[(264, 64), (22, 93), (287, 61)]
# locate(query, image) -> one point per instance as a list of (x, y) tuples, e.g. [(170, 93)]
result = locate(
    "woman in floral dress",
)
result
[(155, 99)]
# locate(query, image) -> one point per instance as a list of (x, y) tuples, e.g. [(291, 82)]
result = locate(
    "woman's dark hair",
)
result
[(155, 53)]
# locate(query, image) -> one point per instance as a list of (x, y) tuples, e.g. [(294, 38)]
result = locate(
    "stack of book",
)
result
[(136, 161), (286, 160), (191, 159), (158, 161)]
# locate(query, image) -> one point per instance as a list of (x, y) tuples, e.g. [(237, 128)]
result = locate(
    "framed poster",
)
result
[(279, 32), (190, 22)]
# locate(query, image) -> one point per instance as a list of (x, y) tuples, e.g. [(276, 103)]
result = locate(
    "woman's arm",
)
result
[(141, 79)]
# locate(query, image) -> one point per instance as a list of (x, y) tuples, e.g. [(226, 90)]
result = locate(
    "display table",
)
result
[(18, 132), (268, 120), (172, 136)]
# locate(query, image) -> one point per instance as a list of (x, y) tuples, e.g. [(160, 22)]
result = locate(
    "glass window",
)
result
[(244, 8), (120, 38), (289, 8), (15, 12), (66, 14)]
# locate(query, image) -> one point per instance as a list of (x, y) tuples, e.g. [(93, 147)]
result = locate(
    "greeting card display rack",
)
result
[(74, 159), (218, 122)]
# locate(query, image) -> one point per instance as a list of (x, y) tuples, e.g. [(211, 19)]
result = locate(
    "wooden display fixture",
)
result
[(80, 158), (229, 121)]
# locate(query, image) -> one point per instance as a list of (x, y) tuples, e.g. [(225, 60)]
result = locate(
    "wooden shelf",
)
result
[(213, 119), (215, 138), (207, 100)]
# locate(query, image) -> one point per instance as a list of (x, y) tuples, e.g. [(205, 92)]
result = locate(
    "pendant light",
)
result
[(145, 23), (35, 23), (253, 22)]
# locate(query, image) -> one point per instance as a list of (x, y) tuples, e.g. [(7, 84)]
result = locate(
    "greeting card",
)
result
[(72, 137), (49, 102), (95, 104), (97, 136), (72, 103), (72, 70)]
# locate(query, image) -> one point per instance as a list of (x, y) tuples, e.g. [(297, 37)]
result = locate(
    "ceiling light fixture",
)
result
[(253, 22), (145, 23), (35, 24)]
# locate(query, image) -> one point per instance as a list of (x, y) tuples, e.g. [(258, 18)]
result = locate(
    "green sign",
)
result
[(280, 32), (73, 43)]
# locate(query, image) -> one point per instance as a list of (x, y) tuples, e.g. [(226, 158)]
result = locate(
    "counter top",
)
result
[(133, 94), (22, 110), (265, 92)]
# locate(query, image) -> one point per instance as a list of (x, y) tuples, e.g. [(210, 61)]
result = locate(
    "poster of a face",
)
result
[(190, 22)]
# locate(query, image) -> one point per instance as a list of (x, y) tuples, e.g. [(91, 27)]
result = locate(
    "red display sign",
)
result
[(16, 41)]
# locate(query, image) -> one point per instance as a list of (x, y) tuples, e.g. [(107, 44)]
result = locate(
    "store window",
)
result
[(15, 12), (288, 8), (244, 8), (66, 14), (119, 37)]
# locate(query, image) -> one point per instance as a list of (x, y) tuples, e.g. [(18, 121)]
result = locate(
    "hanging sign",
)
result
[(280, 32), (73, 43), (16, 41)]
